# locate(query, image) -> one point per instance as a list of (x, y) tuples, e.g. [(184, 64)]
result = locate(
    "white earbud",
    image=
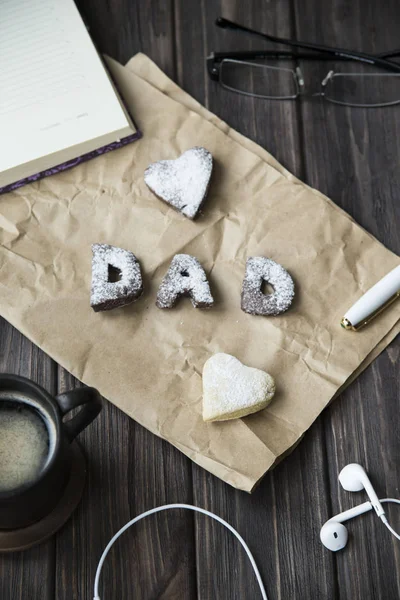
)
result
[(333, 534), (354, 479)]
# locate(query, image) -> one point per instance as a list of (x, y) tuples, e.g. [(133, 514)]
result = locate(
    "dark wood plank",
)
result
[(360, 427), (273, 125), (121, 29), (130, 470), (278, 521), (362, 178), (27, 575), (352, 153)]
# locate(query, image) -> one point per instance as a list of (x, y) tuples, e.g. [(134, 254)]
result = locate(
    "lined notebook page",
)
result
[(54, 91)]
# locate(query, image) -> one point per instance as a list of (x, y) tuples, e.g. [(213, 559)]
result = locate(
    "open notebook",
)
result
[(58, 105)]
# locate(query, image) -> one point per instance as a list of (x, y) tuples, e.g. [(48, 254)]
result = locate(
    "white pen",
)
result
[(383, 293)]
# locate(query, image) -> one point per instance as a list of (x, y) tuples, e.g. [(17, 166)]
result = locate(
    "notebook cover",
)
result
[(89, 155), (71, 163)]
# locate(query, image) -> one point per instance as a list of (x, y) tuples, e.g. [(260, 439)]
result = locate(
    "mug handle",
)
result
[(90, 401)]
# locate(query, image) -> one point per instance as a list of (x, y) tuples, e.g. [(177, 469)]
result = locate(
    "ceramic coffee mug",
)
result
[(35, 452)]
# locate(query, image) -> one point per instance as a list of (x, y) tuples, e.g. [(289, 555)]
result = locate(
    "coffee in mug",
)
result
[(27, 440), (35, 446)]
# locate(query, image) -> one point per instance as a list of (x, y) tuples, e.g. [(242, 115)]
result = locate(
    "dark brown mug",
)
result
[(31, 481)]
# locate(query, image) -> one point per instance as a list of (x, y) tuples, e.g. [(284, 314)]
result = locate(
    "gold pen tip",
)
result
[(345, 323)]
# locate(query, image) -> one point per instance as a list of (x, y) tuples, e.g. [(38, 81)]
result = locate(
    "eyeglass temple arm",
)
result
[(337, 52), (217, 57), (391, 54), (287, 54)]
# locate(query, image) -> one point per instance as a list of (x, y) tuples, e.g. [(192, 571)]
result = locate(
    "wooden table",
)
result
[(352, 155)]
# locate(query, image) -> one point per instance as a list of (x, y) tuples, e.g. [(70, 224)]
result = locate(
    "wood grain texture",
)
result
[(355, 161), (353, 156), (129, 471), (121, 28)]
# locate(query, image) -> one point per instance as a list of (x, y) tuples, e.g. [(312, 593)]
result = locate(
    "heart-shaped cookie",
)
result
[(182, 183), (231, 390)]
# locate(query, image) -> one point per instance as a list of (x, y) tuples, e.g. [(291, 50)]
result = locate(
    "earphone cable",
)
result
[(216, 518), (168, 507), (384, 519)]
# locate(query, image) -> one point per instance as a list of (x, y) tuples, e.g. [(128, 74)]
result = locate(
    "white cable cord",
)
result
[(168, 507), (384, 519), (216, 518)]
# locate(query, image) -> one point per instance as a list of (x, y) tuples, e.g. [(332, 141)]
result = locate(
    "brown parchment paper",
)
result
[(149, 362)]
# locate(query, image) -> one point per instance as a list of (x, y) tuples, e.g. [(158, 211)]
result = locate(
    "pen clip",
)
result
[(345, 323)]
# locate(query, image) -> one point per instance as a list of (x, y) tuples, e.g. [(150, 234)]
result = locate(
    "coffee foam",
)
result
[(27, 439)]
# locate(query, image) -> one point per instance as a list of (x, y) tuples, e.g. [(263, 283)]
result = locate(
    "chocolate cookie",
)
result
[(182, 183), (185, 277), (254, 301), (116, 277)]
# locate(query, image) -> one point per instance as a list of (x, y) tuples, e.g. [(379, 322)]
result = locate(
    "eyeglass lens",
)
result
[(256, 79), (363, 89)]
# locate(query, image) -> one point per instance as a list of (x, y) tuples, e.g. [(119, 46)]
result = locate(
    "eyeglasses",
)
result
[(378, 85)]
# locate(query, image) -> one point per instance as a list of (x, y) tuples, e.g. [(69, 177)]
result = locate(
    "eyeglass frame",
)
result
[(216, 59)]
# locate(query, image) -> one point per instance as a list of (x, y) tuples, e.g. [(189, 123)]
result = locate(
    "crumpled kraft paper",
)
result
[(149, 362)]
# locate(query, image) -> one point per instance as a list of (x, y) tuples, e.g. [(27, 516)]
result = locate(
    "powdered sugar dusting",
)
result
[(182, 183), (185, 277), (105, 294), (232, 390), (254, 302)]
